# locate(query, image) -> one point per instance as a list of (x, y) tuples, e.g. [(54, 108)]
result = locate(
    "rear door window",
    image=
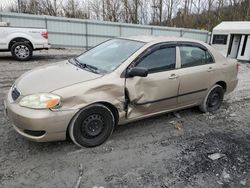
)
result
[(194, 56)]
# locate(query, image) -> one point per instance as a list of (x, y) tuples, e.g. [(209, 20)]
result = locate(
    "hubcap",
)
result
[(214, 99), (22, 51), (93, 125)]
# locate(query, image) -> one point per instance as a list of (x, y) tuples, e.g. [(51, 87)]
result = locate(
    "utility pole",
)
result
[(248, 10), (35, 7), (160, 7), (154, 6), (73, 8), (19, 6), (136, 11), (103, 10), (55, 8)]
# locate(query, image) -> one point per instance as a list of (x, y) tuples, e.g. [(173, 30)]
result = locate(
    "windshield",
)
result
[(109, 55)]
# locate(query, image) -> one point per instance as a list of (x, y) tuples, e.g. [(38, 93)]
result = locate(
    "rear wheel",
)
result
[(92, 126), (213, 100), (22, 51)]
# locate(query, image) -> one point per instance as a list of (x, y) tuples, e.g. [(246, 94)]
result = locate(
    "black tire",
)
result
[(92, 126), (21, 51), (213, 100)]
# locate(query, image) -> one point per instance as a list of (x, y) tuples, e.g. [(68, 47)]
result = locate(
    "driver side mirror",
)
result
[(137, 71)]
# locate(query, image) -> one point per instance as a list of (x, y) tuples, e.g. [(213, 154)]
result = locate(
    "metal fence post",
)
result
[(120, 30), (181, 34), (46, 23), (86, 34), (209, 35)]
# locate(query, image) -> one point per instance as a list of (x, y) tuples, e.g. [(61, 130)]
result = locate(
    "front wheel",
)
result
[(92, 126), (22, 51), (213, 100)]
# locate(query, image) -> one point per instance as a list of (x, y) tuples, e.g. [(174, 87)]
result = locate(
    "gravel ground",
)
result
[(165, 151)]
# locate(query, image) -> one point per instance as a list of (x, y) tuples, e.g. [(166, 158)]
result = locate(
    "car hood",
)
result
[(52, 77)]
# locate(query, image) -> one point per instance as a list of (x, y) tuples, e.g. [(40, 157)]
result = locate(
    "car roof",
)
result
[(151, 40), (156, 39)]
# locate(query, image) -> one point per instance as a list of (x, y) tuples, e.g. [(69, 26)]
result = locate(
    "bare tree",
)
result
[(125, 13), (113, 8), (72, 9), (96, 8), (155, 7), (144, 16), (49, 7), (171, 6), (197, 6)]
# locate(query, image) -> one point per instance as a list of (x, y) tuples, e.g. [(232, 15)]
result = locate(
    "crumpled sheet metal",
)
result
[(138, 93), (111, 89), (108, 90), (144, 90)]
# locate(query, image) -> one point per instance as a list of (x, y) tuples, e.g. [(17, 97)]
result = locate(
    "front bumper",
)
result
[(51, 124)]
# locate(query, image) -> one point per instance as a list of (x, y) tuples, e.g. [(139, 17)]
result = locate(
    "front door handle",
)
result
[(173, 76)]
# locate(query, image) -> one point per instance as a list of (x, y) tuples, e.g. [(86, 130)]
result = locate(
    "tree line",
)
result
[(199, 14)]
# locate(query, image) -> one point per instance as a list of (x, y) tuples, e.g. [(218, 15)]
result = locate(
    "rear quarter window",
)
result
[(194, 56)]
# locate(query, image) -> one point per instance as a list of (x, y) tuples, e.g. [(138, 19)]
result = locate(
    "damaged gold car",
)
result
[(116, 82)]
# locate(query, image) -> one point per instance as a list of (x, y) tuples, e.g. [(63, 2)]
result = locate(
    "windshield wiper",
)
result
[(84, 66)]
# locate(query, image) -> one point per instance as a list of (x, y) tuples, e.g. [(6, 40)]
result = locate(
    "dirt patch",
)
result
[(235, 160)]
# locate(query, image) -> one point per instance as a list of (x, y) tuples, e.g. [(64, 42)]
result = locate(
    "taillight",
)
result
[(238, 66), (45, 34)]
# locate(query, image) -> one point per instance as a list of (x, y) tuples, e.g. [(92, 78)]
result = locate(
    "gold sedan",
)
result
[(116, 82)]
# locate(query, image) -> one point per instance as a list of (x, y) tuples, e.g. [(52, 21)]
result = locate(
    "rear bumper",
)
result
[(51, 125), (44, 46), (47, 46), (231, 86)]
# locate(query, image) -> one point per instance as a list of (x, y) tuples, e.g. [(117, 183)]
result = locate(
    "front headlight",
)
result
[(40, 101)]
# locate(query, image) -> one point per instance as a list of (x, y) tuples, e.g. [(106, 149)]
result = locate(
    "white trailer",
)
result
[(232, 39)]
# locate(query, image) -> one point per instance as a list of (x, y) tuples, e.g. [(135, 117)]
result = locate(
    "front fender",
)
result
[(78, 96)]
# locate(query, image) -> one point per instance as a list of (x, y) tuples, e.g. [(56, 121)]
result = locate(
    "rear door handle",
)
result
[(173, 76), (210, 69)]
